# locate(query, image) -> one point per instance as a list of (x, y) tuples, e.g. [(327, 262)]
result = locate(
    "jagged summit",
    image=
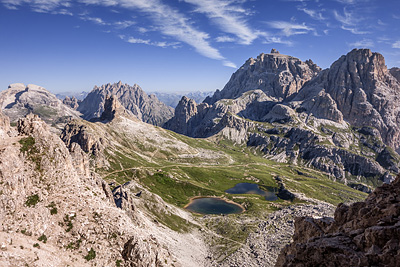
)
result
[(359, 89), (277, 75), (145, 107), (113, 109)]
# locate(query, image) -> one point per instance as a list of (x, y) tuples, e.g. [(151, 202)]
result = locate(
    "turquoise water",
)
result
[(248, 188), (213, 205)]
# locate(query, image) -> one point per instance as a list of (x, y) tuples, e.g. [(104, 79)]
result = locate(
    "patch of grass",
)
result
[(172, 190), (25, 232), (68, 222), (27, 145), (43, 238), (91, 255), (29, 149), (74, 245), (53, 208), (44, 112), (172, 221), (32, 200)]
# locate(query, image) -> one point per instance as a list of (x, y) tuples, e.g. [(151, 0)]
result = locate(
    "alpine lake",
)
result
[(216, 205)]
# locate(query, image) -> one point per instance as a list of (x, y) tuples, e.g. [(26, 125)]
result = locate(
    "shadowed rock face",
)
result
[(145, 107), (395, 72), (362, 234), (359, 89), (278, 76)]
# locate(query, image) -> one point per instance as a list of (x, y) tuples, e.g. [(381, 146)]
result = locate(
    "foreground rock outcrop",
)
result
[(55, 211), (361, 234), (145, 107)]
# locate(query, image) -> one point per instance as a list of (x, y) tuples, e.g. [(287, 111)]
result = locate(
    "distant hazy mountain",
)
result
[(145, 107), (172, 99), (78, 96)]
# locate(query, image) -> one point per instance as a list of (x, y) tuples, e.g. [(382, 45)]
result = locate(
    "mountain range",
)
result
[(98, 182), (342, 120)]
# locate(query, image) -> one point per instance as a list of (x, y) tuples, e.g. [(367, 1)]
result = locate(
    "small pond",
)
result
[(248, 188), (213, 205)]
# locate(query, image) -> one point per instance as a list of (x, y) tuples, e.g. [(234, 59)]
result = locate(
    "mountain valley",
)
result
[(106, 181)]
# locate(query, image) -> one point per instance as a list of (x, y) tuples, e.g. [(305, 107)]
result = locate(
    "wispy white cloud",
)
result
[(347, 1), (315, 14), (364, 43), (277, 40), (62, 11), (350, 22), (380, 22), (134, 40), (353, 30), (396, 45), (229, 15), (225, 39), (95, 20), (123, 24), (41, 6), (170, 22), (229, 64), (290, 28)]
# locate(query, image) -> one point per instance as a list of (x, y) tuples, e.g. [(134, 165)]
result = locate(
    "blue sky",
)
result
[(180, 45)]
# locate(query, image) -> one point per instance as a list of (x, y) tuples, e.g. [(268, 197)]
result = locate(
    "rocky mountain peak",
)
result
[(133, 98), (112, 109), (361, 91), (278, 76), (184, 111), (360, 68)]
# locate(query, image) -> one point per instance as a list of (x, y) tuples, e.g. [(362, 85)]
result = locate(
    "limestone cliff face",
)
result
[(145, 107), (359, 89), (19, 100), (278, 76), (362, 234)]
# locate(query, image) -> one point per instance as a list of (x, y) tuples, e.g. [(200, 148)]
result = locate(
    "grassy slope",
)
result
[(177, 180)]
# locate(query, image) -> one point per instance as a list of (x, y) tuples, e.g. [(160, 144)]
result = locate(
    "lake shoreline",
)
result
[(221, 198)]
